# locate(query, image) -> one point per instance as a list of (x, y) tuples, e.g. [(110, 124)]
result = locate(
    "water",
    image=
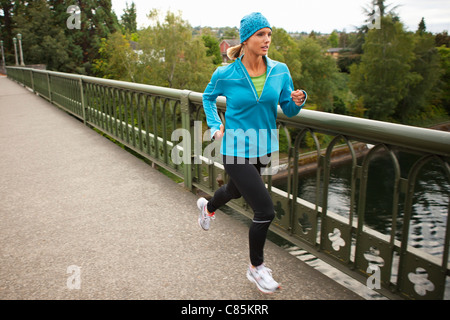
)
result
[(430, 203)]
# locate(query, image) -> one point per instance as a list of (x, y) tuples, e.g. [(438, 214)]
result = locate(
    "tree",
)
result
[(379, 7), (422, 27), (197, 68), (318, 74), (230, 33), (166, 55), (442, 39), (384, 75), (48, 40), (43, 42), (426, 66), (128, 19), (117, 59), (284, 49), (213, 48), (6, 29), (97, 22), (444, 85), (171, 56), (333, 39)]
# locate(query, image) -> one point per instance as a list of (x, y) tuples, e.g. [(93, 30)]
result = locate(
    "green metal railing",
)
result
[(143, 118)]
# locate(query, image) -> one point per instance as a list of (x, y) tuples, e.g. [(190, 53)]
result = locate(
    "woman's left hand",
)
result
[(298, 97)]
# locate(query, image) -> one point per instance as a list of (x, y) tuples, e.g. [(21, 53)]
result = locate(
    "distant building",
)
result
[(135, 46), (224, 45), (334, 52)]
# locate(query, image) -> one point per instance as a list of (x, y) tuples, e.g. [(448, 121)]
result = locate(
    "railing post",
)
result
[(49, 88), (83, 102), (186, 124), (32, 80)]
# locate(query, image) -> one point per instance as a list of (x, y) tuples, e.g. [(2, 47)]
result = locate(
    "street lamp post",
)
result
[(15, 50), (19, 37), (3, 55)]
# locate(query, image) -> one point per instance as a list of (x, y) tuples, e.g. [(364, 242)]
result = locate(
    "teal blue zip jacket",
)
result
[(250, 121)]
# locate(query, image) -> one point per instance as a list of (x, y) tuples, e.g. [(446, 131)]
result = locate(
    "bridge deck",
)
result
[(70, 197)]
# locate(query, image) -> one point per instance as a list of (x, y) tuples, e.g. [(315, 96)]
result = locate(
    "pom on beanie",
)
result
[(252, 23)]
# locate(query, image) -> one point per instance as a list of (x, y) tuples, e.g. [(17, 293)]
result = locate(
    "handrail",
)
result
[(143, 117), (372, 131), (416, 138)]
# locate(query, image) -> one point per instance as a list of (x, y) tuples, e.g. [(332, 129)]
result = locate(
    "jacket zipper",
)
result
[(265, 81), (250, 82)]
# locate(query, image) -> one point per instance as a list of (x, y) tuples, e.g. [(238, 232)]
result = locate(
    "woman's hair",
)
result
[(235, 52)]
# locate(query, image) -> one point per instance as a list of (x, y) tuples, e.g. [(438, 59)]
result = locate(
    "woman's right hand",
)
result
[(219, 134)]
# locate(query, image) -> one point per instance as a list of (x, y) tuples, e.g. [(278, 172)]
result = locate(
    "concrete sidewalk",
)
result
[(74, 206)]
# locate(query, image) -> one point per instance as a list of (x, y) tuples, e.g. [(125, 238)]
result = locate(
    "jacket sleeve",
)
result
[(286, 103), (212, 91)]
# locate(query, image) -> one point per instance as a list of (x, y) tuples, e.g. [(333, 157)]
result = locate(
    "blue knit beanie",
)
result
[(252, 23)]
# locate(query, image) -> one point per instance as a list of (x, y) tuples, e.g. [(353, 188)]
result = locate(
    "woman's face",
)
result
[(259, 42)]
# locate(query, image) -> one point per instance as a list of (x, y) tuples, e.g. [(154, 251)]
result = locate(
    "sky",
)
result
[(292, 15)]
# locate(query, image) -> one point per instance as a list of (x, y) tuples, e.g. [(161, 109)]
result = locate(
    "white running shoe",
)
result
[(262, 277), (204, 217)]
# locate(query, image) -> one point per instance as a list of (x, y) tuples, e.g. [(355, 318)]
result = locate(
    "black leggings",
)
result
[(245, 180)]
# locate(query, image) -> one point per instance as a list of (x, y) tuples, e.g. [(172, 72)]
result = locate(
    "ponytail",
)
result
[(235, 52)]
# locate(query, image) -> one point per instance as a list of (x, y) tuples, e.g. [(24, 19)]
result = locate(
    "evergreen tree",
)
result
[(384, 75), (6, 29), (43, 42), (128, 19), (97, 22), (47, 38), (380, 7), (443, 98), (422, 28), (213, 48), (333, 39), (426, 66)]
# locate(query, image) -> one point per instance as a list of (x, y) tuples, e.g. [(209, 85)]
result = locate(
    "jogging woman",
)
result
[(254, 85)]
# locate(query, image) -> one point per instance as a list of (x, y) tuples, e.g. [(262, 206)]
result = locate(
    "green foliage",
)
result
[(387, 74), (39, 37), (384, 75), (128, 19), (426, 66), (285, 49), (400, 74), (442, 96), (318, 74), (310, 68), (46, 39), (166, 55), (117, 59), (174, 58), (333, 39), (213, 49)]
